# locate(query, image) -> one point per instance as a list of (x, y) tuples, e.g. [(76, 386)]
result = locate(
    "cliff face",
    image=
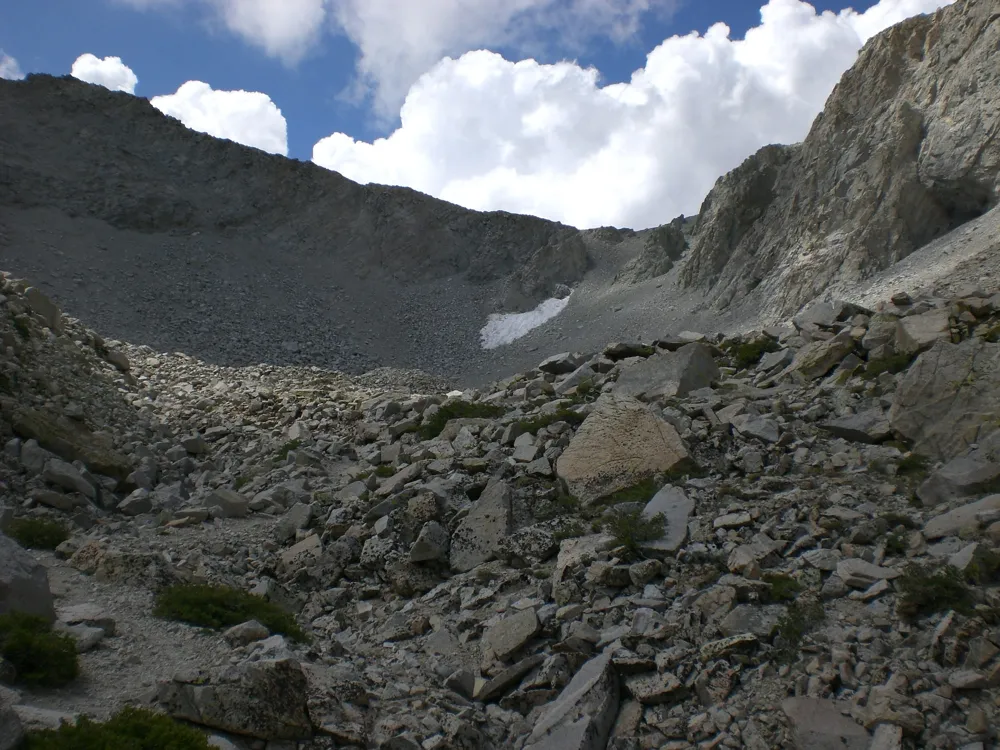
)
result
[(906, 149), (91, 152)]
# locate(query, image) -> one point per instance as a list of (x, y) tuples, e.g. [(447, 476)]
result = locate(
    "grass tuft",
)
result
[(130, 729), (782, 588), (222, 607), (798, 620), (748, 353), (40, 657), (534, 424), (288, 448), (37, 533), (641, 492), (433, 426)]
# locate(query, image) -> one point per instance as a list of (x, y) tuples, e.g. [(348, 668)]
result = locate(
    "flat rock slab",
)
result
[(818, 724), (672, 374), (676, 508), (860, 574), (963, 476), (24, 583), (510, 635), (817, 359), (949, 398), (871, 426), (478, 536), (264, 699), (621, 443), (582, 716), (652, 689), (762, 621), (950, 523)]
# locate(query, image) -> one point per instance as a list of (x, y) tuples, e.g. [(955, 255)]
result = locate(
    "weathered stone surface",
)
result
[(67, 439), (955, 520), (859, 574), (762, 621), (430, 544), (510, 635), (230, 503), (871, 426), (949, 398), (562, 364), (264, 699), (24, 583), (671, 374), (817, 359), (11, 730), (663, 687), (41, 305), (883, 170), (582, 716), (621, 443), (818, 724), (477, 537), (915, 333), (676, 508), (963, 476)]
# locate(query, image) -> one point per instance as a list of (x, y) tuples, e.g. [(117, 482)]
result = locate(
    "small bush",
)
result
[(288, 448), (896, 545), (434, 426), (913, 465), (798, 620), (631, 529), (384, 470), (40, 657), (894, 363), (222, 607), (992, 334), (749, 353), (241, 481), (130, 729), (534, 424), (924, 591), (37, 533), (899, 519), (782, 588), (572, 531), (561, 505)]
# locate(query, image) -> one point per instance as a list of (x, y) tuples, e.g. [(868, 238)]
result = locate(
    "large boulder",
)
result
[(265, 699), (949, 398), (477, 538), (621, 443), (24, 584), (69, 440), (671, 374), (817, 359)]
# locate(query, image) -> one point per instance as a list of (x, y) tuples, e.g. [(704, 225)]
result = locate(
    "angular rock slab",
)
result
[(582, 716), (949, 398), (11, 729), (955, 520), (817, 724), (264, 699), (478, 536), (817, 359), (672, 374), (676, 508), (963, 476), (621, 443), (511, 634), (866, 427), (24, 583)]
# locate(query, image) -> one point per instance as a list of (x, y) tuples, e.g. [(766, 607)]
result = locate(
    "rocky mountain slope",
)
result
[(905, 150), (782, 540)]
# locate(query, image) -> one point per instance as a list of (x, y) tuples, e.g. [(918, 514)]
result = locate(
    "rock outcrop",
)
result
[(904, 151)]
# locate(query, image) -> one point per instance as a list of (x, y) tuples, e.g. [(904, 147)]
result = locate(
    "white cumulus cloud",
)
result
[(9, 68), (549, 140), (247, 117), (109, 72), (398, 40)]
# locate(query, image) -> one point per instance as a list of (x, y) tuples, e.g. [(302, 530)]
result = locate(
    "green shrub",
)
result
[(287, 448), (572, 531), (433, 426), (630, 530), (534, 424), (561, 505), (40, 657), (384, 470), (899, 519), (924, 591), (894, 363), (37, 533), (798, 620), (781, 588), (992, 334), (913, 465), (747, 354), (642, 492), (242, 481), (130, 729), (222, 607), (896, 545)]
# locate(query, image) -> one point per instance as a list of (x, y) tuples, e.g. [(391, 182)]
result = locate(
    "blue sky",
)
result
[(309, 78)]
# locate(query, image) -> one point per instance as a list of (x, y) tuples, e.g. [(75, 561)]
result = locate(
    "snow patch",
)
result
[(505, 328)]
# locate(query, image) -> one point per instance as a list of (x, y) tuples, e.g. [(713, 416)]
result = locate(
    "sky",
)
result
[(589, 112)]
